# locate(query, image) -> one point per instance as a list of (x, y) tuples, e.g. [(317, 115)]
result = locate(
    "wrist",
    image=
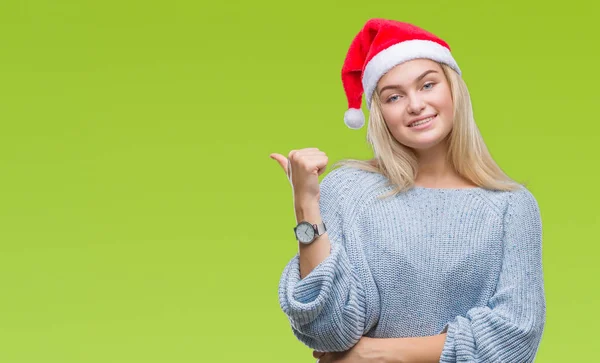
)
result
[(307, 210), (303, 204), (389, 350)]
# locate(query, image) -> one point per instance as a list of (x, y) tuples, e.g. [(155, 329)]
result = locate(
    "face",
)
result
[(412, 92)]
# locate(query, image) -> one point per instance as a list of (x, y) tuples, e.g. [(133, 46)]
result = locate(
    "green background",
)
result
[(142, 219)]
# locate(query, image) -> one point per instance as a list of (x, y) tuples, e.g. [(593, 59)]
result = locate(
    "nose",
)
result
[(415, 104)]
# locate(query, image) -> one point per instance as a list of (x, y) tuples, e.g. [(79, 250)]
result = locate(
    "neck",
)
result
[(434, 170)]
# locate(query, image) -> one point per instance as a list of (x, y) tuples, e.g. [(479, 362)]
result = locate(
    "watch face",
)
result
[(305, 232)]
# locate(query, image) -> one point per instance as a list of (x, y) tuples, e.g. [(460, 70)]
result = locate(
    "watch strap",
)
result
[(320, 228)]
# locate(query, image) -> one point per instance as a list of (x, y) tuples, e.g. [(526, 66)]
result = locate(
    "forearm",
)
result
[(412, 350), (327, 310), (313, 254)]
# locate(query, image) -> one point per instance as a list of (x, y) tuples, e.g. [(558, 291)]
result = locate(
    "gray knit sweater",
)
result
[(467, 262)]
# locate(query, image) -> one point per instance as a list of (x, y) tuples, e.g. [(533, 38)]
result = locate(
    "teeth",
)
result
[(421, 122)]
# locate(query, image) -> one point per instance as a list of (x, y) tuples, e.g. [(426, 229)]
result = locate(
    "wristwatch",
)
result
[(306, 233)]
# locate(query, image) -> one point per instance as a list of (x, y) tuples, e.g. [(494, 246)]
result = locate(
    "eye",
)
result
[(392, 98), (426, 85)]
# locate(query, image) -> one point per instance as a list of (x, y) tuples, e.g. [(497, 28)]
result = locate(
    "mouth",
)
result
[(422, 122)]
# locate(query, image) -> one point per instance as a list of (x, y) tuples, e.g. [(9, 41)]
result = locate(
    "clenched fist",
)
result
[(303, 168)]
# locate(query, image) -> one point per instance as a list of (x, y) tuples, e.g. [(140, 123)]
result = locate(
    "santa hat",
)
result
[(378, 47)]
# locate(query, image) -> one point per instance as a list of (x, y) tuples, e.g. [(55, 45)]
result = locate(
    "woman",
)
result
[(428, 251)]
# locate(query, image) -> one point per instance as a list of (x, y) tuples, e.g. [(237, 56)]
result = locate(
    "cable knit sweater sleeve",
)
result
[(331, 309), (509, 328)]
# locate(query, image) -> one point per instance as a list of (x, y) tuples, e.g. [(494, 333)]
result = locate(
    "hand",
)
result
[(365, 351), (303, 168)]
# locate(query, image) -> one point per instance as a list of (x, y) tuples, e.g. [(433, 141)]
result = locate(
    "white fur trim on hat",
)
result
[(398, 53)]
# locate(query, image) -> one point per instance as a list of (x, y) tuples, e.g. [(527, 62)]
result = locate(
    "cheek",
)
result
[(444, 102), (393, 116)]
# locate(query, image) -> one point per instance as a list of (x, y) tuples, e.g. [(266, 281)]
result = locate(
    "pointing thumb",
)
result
[(282, 160)]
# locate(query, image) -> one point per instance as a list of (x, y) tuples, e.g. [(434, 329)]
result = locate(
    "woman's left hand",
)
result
[(365, 351)]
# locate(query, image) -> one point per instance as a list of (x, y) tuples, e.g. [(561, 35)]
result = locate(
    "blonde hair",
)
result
[(467, 152)]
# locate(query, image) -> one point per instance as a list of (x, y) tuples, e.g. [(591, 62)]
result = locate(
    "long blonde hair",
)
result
[(467, 152)]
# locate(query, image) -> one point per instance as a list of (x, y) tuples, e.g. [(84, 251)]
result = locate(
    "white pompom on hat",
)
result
[(379, 46), (354, 118)]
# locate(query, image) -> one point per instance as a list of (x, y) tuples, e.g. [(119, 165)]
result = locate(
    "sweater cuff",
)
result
[(448, 352), (305, 298)]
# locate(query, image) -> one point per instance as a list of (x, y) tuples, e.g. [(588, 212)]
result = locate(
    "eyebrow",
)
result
[(416, 80)]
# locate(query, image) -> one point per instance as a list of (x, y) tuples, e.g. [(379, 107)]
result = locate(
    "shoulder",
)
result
[(349, 185), (350, 180), (503, 202), (521, 198), (521, 206)]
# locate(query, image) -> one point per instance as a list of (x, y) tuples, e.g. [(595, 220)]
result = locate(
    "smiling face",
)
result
[(416, 103)]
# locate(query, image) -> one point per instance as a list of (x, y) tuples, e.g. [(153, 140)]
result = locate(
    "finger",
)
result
[(333, 357), (317, 354), (283, 162), (315, 162), (306, 149), (326, 358), (310, 150), (322, 170), (296, 153), (305, 152)]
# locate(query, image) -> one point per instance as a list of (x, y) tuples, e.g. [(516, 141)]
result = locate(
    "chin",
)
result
[(423, 143), (423, 146), (426, 140)]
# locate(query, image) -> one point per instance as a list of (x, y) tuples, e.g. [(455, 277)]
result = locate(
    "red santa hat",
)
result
[(378, 47)]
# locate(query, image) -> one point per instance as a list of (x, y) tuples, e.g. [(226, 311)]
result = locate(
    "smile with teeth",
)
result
[(424, 121)]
